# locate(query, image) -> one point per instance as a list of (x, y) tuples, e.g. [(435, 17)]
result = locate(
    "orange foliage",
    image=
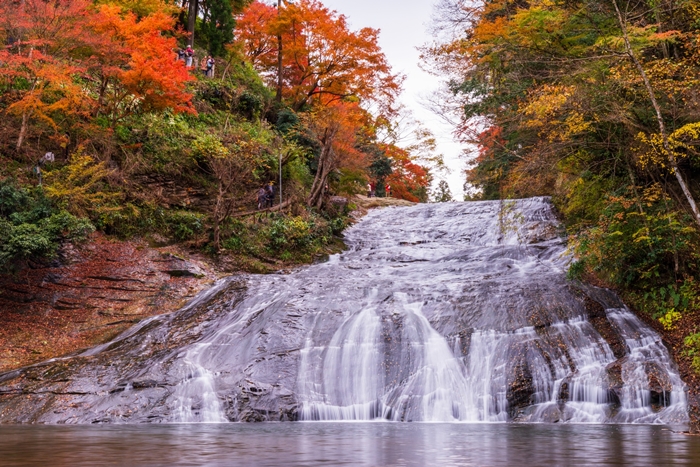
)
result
[(253, 30), (140, 57), (407, 178), (323, 61), (70, 59)]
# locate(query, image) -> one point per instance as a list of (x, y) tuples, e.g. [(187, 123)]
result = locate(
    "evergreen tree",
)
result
[(442, 193)]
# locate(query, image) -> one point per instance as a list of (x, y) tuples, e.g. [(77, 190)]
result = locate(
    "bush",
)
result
[(289, 233), (645, 247), (184, 225), (31, 228), (132, 220)]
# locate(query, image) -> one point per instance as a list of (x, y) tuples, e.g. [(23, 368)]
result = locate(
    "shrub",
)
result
[(32, 228), (184, 225)]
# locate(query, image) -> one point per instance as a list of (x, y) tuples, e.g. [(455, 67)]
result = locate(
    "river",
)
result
[(347, 444)]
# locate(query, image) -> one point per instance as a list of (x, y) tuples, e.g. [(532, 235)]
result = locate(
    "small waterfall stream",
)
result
[(440, 312)]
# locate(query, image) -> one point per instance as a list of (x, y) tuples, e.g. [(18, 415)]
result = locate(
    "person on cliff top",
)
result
[(189, 56), (262, 197), (210, 67), (270, 194)]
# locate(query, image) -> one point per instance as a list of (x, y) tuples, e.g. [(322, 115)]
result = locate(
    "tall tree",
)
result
[(329, 71), (323, 60), (216, 22)]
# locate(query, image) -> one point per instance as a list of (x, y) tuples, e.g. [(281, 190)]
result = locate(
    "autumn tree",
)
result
[(335, 126), (70, 61), (133, 63), (35, 66), (332, 73), (323, 60)]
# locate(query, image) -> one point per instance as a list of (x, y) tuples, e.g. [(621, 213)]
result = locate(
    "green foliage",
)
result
[(442, 193), (351, 182), (289, 238), (290, 233), (692, 349), (645, 247), (287, 120), (136, 220), (637, 242), (380, 166), (184, 225), (238, 92), (32, 228), (218, 29)]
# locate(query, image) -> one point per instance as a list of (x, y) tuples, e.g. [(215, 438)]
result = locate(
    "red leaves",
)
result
[(69, 58), (140, 58)]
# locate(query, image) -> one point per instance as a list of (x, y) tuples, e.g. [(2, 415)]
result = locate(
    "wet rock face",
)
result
[(455, 311), (91, 292)]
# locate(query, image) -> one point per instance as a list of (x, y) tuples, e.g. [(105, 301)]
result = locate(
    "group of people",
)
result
[(206, 66), (266, 196), (371, 190)]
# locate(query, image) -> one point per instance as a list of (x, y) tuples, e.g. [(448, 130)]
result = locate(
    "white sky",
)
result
[(403, 25)]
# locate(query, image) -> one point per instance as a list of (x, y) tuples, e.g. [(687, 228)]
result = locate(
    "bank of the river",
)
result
[(96, 290)]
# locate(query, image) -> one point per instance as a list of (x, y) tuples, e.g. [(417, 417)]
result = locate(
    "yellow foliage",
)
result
[(653, 194), (574, 124), (545, 103), (77, 186), (669, 319), (652, 151)]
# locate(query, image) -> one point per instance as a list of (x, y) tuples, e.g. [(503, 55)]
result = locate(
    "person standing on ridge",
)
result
[(262, 197), (189, 56), (210, 67), (270, 192)]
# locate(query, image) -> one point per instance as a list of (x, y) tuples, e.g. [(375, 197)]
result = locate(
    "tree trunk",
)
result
[(218, 217), (673, 163), (23, 129), (278, 94), (325, 166), (192, 20)]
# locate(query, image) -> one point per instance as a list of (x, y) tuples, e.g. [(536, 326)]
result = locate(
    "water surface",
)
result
[(351, 444)]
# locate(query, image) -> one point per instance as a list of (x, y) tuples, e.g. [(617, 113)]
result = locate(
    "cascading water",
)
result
[(440, 312)]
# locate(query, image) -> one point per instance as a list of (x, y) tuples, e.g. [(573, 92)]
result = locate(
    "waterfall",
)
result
[(436, 312)]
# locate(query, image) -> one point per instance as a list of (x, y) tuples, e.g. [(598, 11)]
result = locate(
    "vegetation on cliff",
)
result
[(143, 138)]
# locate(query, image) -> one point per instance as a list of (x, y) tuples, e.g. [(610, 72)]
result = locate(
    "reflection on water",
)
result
[(356, 444)]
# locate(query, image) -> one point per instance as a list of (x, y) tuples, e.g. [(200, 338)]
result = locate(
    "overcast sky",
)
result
[(403, 25)]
